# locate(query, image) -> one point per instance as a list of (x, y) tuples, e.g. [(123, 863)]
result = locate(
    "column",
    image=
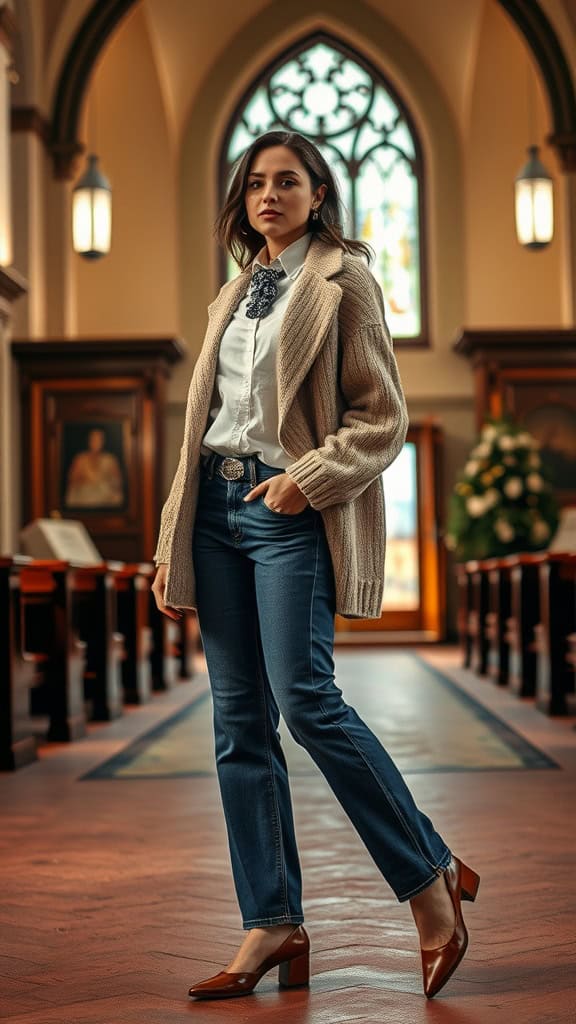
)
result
[(567, 212), (6, 29), (12, 285)]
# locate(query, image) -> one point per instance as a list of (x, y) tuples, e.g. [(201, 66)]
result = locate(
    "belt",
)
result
[(230, 469)]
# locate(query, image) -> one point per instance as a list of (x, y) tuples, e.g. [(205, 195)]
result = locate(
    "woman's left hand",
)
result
[(283, 495)]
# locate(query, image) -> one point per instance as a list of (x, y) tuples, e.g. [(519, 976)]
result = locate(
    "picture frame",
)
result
[(93, 467), (93, 415)]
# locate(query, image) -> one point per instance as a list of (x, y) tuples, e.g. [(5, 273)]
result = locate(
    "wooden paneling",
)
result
[(531, 376), (70, 390)]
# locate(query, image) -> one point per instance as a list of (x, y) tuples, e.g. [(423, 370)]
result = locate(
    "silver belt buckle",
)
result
[(231, 469)]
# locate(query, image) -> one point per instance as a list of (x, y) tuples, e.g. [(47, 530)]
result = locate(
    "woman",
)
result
[(275, 522)]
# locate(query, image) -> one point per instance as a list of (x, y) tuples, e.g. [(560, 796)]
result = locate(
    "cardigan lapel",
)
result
[(311, 309), (313, 304)]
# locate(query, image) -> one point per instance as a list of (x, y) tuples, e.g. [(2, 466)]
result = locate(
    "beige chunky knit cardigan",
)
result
[(342, 417)]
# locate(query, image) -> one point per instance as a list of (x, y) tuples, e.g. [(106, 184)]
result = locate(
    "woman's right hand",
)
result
[(158, 588)]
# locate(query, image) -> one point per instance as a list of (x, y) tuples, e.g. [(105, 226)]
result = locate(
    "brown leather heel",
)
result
[(292, 973), (438, 965), (292, 958)]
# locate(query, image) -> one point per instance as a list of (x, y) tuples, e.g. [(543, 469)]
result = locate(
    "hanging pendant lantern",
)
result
[(534, 203), (92, 212)]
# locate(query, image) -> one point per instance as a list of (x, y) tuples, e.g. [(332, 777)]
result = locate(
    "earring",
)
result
[(315, 214)]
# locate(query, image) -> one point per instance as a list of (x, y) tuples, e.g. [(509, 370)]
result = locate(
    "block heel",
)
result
[(469, 882), (294, 972)]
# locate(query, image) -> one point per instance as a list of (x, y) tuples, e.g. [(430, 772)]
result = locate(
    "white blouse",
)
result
[(244, 408)]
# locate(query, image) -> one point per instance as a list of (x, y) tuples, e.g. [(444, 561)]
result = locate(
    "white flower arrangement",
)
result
[(540, 530), (504, 530), (534, 482), (488, 432), (492, 497), (476, 505), (513, 487), (502, 501)]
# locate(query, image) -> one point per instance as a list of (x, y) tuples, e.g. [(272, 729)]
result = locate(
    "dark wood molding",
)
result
[(550, 346), (8, 27), (29, 119), (51, 350), (565, 146), (530, 376)]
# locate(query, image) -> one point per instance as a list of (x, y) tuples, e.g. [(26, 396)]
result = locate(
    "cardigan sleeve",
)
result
[(375, 420)]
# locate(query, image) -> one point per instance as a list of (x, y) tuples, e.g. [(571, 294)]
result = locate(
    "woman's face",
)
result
[(279, 197)]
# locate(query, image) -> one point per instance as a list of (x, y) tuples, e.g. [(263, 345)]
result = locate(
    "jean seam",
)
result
[(311, 629), (280, 862), (258, 922), (438, 870)]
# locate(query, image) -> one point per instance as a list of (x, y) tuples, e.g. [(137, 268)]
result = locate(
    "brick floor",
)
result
[(116, 894)]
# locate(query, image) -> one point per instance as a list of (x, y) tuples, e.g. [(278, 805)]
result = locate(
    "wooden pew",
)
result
[(164, 655), (18, 745), (524, 617), (477, 612), (174, 644), (188, 644), (555, 682), (132, 586), (464, 583), (497, 616), (51, 642), (94, 618)]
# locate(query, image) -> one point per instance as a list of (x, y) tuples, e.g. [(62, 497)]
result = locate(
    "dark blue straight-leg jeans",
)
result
[(266, 605)]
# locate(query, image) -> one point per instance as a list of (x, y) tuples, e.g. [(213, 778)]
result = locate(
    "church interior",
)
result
[(451, 130)]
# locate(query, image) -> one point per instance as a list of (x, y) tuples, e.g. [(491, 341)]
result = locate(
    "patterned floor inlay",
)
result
[(424, 719)]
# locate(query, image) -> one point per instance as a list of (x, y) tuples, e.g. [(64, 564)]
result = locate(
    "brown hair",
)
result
[(233, 230)]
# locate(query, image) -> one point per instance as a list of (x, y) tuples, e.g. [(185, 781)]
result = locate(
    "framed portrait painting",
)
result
[(91, 444), (93, 473)]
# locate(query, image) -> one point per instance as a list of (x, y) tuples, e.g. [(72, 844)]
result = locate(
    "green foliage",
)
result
[(502, 502)]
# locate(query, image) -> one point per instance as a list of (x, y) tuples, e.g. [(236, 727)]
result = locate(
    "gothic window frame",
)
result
[(420, 340)]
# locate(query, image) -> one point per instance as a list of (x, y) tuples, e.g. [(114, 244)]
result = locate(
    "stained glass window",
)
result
[(328, 93)]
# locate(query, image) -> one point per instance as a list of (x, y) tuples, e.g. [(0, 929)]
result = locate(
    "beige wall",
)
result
[(506, 285), (134, 290)]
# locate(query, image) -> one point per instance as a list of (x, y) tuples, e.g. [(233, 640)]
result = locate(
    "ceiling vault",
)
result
[(105, 15)]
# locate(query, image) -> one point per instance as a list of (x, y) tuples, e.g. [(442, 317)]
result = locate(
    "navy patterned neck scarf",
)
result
[(263, 291)]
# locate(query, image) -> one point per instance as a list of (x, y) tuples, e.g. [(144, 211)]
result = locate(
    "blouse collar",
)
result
[(290, 260)]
